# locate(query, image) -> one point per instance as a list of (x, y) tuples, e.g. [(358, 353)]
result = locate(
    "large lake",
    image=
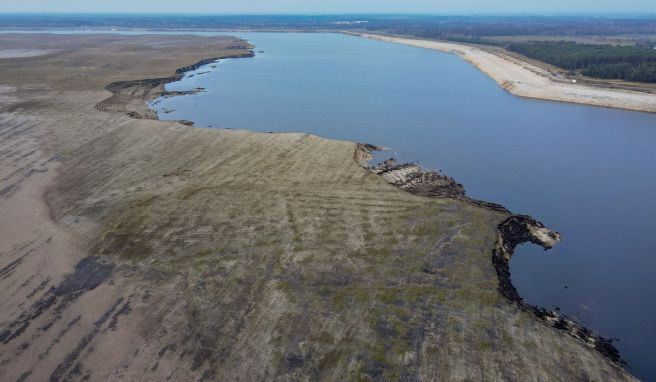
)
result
[(588, 172)]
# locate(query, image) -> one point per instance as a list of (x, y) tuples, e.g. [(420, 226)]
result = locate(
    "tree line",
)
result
[(629, 63), (417, 25)]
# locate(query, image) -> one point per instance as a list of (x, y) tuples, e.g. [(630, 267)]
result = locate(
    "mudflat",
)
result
[(524, 79), (132, 248)]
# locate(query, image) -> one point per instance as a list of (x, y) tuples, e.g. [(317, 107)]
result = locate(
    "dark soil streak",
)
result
[(72, 357), (87, 275), (39, 288), (514, 231), (8, 269), (61, 334), (124, 311)]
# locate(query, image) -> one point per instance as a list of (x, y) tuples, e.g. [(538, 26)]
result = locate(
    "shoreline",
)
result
[(411, 178), (132, 96), (518, 77), (162, 213), (526, 80), (515, 230)]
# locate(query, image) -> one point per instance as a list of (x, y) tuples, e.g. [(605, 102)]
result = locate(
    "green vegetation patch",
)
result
[(630, 63)]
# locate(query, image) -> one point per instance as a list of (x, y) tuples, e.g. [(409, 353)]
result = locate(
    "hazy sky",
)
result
[(330, 6)]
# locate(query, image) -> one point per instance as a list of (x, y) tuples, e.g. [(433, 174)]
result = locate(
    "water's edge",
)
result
[(143, 91), (513, 231), (515, 87)]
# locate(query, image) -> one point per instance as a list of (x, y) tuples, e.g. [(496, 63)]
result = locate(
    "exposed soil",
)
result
[(131, 97), (520, 229), (513, 231)]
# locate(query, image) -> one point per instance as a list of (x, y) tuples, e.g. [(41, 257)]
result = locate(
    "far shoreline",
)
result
[(526, 80), (518, 77)]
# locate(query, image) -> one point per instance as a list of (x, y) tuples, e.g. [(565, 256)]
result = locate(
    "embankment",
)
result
[(513, 231), (526, 80)]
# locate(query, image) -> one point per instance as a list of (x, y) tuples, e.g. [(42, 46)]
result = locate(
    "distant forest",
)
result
[(477, 28), (630, 63), (442, 27)]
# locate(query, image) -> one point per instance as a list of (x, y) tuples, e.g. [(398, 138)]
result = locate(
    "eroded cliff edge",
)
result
[(515, 230), (132, 97)]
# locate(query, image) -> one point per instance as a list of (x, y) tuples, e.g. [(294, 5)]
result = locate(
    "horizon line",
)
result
[(334, 14)]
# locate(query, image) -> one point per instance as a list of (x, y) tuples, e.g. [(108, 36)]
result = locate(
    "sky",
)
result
[(330, 6)]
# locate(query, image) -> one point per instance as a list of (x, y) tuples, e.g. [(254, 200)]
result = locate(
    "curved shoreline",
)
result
[(513, 231), (409, 177), (520, 229), (131, 97), (529, 81)]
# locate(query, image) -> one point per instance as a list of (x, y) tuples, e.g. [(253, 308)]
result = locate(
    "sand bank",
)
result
[(527, 80)]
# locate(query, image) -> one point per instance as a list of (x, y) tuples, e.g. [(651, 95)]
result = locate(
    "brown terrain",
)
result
[(138, 249)]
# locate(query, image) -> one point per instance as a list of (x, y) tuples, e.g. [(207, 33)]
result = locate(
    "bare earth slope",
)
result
[(526, 80), (136, 249)]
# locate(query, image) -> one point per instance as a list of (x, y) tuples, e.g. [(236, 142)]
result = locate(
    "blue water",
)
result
[(588, 172)]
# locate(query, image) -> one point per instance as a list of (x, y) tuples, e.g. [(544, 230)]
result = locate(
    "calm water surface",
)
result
[(587, 172)]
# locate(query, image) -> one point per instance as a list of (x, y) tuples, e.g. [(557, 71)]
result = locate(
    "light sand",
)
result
[(19, 53), (527, 80)]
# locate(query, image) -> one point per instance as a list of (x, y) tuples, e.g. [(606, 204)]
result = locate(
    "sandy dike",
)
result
[(526, 80)]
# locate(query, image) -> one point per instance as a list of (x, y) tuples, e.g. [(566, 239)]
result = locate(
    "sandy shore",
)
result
[(526, 80)]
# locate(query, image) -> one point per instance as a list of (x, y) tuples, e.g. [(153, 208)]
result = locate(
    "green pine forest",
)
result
[(629, 63)]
